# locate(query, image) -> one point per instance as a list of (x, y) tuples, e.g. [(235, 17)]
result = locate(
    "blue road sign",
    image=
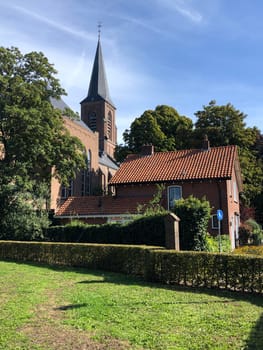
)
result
[(219, 214)]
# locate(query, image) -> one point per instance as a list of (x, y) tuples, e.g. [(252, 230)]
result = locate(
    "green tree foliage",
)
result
[(225, 125), (154, 206), (194, 216), (33, 139), (22, 215), (163, 127), (32, 134)]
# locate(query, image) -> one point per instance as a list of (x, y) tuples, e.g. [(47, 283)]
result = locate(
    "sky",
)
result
[(180, 53)]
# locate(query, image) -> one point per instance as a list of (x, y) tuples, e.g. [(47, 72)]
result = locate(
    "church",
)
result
[(104, 192), (97, 131)]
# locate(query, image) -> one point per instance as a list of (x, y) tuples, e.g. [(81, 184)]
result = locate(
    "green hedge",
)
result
[(116, 258), (211, 270), (149, 230), (196, 269)]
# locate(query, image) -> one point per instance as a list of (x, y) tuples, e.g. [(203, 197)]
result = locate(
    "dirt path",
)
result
[(46, 330)]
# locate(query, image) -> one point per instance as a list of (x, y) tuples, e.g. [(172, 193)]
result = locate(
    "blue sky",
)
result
[(182, 53)]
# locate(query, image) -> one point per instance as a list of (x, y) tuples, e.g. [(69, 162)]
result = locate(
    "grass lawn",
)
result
[(62, 308)]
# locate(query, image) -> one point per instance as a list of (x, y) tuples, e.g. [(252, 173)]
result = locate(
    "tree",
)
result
[(32, 134), (33, 138), (163, 127), (225, 125), (22, 214)]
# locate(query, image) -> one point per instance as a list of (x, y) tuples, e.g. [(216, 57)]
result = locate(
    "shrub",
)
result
[(201, 269), (256, 232), (249, 249), (194, 216), (21, 215), (196, 269), (212, 243), (149, 230), (245, 234)]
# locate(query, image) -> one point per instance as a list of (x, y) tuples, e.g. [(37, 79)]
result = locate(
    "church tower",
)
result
[(97, 109)]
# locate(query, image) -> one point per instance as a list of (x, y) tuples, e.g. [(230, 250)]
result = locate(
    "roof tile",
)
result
[(193, 164), (99, 205)]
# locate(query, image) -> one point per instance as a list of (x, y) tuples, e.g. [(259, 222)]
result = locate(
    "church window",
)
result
[(86, 174)]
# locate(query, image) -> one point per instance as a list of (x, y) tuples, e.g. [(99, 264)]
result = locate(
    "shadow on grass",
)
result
[(70, 307), (255, 339), (105, 277)]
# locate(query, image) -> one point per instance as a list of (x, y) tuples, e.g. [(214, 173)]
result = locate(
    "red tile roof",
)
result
[(95, 205), (195, 164)]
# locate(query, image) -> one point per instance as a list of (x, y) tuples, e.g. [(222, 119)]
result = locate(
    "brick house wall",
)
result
[(218, 192)]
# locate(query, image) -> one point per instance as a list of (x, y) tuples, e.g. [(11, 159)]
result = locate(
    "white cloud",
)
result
[(141, 23), (55, 24), (183, 8)]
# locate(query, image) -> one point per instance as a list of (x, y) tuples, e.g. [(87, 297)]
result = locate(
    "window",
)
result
[(85, 185), (67, 191), (235, 192), (174, 193), (214, 222)]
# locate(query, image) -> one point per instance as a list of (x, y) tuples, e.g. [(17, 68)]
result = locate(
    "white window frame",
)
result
[(170, 207), (235, 192)]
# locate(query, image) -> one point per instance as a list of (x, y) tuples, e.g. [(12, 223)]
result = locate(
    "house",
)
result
[(210, 172), (97, 131)]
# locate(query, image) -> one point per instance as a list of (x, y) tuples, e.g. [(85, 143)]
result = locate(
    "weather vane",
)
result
[(99, 29)]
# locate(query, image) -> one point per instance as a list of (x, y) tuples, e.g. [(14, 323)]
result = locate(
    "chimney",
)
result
[(147, 150), (206, 144)]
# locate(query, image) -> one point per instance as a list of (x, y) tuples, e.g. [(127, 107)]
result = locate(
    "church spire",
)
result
[(98, 87)]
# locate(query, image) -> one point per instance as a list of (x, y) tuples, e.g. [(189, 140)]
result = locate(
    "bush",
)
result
[(194, 216), (249, 249), (196, 269), (244, 234), (21, 216), (200, 269), (212, 243), (116, 258), (149, 230), (251, 232)]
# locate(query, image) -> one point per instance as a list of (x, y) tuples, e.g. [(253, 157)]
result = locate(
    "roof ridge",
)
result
[(190, 149)]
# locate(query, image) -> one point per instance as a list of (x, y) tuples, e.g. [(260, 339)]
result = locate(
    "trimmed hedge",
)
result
[(196, 269), (149, 230), (249, 249), (115, 258), (211, 270)]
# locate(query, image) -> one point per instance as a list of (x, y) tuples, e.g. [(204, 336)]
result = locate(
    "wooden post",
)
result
[(172, 231)]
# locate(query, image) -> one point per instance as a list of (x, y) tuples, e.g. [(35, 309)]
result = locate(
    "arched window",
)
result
[(109, 126), (92, 121), (86, 177)]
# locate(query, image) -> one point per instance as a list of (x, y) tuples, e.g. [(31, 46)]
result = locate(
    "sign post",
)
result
[(220, 215)]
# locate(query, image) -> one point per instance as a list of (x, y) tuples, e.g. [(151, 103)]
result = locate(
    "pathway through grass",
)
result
[(60, 308)]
